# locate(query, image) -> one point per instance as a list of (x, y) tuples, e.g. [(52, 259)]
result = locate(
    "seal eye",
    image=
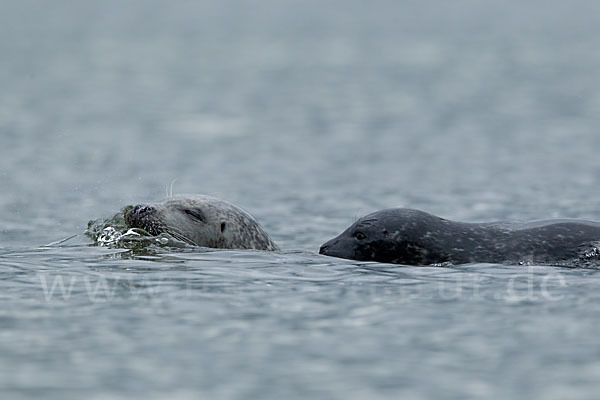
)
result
[(223, 226), (196, 214), (359, 235)]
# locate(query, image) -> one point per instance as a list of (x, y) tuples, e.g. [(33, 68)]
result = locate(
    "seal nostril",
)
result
[(322, 249), (142, 210)]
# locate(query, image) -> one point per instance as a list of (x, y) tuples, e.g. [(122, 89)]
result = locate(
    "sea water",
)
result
[(308, 114)]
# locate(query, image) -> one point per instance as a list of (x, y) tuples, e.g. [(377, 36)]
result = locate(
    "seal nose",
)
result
[(141, 210), (323, 249), (136, 217)]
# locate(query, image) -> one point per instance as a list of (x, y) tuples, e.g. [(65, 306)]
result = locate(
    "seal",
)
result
[(413, 237), (202, 221)]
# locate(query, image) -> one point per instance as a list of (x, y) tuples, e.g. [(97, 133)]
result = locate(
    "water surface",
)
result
[(309, 114)]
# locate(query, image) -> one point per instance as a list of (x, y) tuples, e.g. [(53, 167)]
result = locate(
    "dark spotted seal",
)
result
[(202, 221), (405, 236)]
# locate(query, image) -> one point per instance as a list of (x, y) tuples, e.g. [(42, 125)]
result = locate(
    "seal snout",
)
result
[(136, 216), (329, 248), (323, 249), (142, 210)]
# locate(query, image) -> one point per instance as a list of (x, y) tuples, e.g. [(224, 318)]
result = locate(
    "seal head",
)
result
[(202, 221), (393, 236)]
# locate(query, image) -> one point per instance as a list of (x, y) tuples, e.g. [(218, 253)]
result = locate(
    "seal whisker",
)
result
[(61, 241), (178, 236), (169, 189)]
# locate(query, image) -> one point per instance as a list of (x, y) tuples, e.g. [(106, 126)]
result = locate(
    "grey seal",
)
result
[(413, 237), (202, 221)]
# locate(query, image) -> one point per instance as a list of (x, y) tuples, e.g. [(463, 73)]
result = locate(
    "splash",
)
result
[(114, 232)]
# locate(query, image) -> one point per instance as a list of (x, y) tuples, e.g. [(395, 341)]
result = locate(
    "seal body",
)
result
[(202, 221), (412, 237)]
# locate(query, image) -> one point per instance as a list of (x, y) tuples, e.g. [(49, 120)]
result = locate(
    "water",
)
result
[(308, 114)]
